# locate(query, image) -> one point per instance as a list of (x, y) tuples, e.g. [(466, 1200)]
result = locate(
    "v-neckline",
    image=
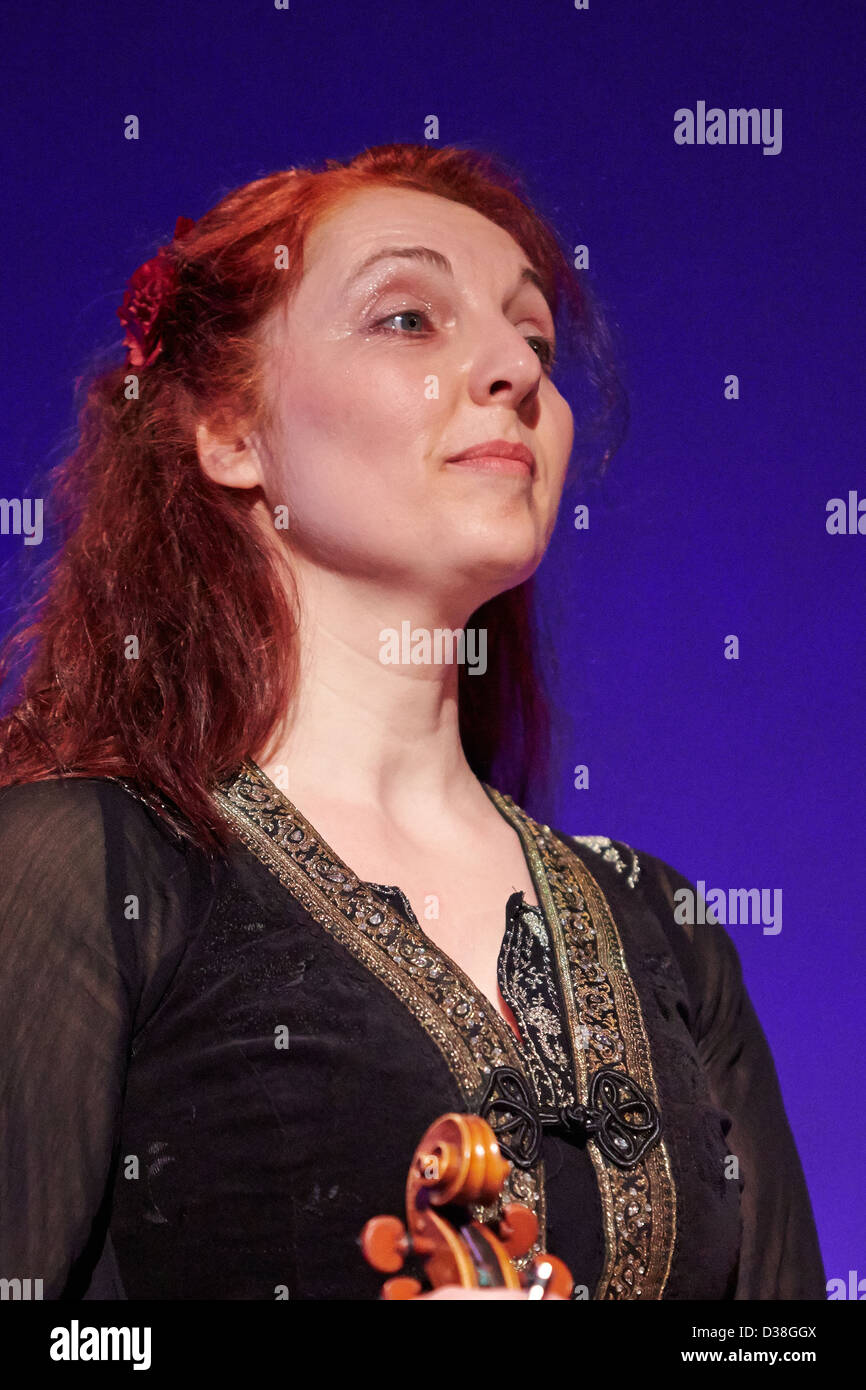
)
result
[(452, 964), (602, 1027), (387, 889)]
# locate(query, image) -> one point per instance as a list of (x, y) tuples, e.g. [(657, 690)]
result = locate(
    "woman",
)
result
[(260, 839)]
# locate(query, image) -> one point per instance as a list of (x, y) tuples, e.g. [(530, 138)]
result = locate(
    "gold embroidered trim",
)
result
[(607, 1029), (460, 1020)]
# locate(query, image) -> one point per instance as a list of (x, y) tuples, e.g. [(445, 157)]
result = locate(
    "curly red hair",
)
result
[(150, 548)]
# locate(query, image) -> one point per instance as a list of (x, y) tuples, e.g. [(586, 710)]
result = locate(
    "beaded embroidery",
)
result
[(604, 1028), (600, 844), (472, 1037)]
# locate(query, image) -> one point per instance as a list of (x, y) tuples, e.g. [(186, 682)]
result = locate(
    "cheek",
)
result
[(360, 412), (563, 425), (351, 454), (559, 441), (385, 406)]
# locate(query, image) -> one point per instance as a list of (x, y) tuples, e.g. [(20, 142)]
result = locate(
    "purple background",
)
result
[(710, 260)]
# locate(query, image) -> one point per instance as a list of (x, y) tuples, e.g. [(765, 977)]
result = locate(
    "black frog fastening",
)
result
[(620, 1117), (512, 1115)]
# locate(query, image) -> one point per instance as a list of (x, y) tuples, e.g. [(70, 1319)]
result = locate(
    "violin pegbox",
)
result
[(457, 1166)]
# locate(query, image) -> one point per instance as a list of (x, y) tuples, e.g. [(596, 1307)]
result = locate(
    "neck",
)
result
[(367, 731)]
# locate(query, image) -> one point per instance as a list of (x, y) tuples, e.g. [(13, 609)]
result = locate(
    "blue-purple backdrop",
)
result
[(712, 259)]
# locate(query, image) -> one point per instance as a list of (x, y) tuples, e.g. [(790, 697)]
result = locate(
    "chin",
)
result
[(489, 571)]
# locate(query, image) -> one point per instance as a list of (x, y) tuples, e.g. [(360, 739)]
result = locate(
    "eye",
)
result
[(546, 350), (418, 315), (547, 353)]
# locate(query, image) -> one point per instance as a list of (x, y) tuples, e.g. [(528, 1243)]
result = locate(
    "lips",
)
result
[(493, 449)]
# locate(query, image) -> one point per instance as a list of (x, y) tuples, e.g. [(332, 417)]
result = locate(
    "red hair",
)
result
[(150, 548)]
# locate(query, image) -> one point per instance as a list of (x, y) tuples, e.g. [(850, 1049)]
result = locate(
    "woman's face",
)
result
[(382, 369)]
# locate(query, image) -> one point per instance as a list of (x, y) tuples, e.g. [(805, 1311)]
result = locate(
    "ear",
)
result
[(233, 462)]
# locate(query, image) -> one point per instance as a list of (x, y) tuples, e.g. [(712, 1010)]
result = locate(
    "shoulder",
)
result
[(638, 883), (620, 857), (67, 812), (641, 875), (87, 842), (93, 881), (73, 797)]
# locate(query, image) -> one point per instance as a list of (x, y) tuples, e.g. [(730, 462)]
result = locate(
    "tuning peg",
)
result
[(517, 1229), (385, 1245), (557, 1277), (401, 1288)]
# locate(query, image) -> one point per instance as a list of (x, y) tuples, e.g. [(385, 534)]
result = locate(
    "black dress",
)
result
[(212, 1076)]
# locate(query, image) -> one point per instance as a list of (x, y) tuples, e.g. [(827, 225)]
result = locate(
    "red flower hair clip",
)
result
[(150, 290)]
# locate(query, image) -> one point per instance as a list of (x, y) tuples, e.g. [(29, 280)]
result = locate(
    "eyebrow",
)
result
[(436, 258)]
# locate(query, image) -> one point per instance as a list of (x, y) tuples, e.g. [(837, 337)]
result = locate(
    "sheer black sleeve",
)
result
[(94, 901), (779, 1257)]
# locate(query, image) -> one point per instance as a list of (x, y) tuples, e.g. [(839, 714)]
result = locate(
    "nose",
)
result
[(504, 367)]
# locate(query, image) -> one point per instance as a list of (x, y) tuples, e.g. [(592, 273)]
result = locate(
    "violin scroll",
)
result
[(458, 1164)]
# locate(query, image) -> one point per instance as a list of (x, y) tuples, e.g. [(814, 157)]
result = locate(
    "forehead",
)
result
[(375, 217)]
